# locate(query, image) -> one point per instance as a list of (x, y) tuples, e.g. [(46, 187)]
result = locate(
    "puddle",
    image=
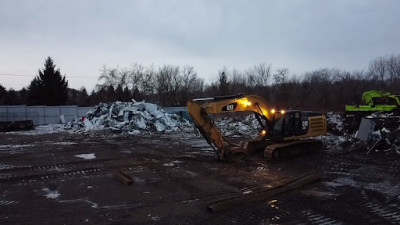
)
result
[(342, 181), (126, 151), (198, 143), (138, 180), (319, 193)]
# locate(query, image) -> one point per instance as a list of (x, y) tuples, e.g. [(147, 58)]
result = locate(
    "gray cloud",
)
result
[(301, 35)]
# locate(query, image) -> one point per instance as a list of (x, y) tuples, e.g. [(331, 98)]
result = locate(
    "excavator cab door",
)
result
[(292, 124), (287, 125)]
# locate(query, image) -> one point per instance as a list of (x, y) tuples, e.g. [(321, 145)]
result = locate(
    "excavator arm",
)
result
[(200, 112)]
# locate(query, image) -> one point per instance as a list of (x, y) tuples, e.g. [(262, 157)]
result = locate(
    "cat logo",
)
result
[(229, 107)]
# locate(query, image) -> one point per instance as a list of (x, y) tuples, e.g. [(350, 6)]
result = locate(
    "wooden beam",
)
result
[(123, 177), (230, 202)]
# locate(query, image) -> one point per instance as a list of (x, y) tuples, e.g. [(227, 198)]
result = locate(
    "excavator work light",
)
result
[(282, 111), (263, 132), (249, 103), (272, 111)]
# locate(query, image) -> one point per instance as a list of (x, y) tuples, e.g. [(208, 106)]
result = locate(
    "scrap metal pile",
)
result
[(131, 117), (377, 132), (382, 134), (240, 126), (138, 117)]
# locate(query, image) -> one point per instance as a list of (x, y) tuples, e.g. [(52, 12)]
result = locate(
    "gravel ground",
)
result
[(67, 178)]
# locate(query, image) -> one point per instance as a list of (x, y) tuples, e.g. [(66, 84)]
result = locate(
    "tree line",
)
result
[(170, 85)]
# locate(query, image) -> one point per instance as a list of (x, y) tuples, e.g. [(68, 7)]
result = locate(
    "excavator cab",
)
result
[(287, 125), (291, 123)]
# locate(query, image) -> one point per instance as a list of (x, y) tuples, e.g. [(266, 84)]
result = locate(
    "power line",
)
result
[(16, 75), (25, 75)]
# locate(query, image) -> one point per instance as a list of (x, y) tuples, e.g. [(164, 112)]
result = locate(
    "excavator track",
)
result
[(292, 148)]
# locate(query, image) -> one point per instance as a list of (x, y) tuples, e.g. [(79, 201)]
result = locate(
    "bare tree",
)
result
[(135, 77), (107, 77), (148, 83), (237, 82), (190, 83), (393, 67), (167, 84), (223, 85), (259, 75), (281, 76), (281, 94), (377, 69)]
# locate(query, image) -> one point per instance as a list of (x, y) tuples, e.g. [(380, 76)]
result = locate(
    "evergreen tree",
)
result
[(22, 96), (127, 95), (223, 84), (11, 97), (3, 95), (110, 94), (83, 99), (49, 87), (119, 93)]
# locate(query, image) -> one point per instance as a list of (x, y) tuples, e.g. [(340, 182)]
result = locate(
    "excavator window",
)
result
[(278, 123), (289, 124), (292, 125)]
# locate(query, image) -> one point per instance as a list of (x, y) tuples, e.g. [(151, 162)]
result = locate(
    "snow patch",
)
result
[(64, 143), (51, 194), (87, 156), (342, 181), (333, 142), (335, 120), (8, 147), (42, 129)]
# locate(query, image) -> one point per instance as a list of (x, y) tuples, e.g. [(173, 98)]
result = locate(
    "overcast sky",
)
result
[(84, 35)]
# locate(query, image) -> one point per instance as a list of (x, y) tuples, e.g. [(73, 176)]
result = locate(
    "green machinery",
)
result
[(376, 101)]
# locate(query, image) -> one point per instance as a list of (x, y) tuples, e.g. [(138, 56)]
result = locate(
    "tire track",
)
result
[(313, 217), (389, 214), (7, 203)]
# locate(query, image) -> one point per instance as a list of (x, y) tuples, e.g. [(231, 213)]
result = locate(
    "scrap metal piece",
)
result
[(367, 126)]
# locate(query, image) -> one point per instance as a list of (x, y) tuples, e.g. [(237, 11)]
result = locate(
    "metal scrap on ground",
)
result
[(377, 131)]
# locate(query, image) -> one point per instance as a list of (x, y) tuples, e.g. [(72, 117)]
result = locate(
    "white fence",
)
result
[(41, 114)]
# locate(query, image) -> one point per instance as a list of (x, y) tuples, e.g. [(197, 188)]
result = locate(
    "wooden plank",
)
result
[(230, 202), (123, 177)]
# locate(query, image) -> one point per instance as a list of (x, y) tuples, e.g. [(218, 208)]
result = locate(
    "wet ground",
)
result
[(66, 178)]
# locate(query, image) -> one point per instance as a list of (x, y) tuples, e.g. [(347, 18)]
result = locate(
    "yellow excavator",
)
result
[(282, 133)]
